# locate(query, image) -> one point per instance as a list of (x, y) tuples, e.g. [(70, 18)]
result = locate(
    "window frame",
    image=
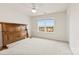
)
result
[(46, 26)]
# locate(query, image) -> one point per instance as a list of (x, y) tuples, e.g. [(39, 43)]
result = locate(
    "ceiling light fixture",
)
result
[(33, 8)]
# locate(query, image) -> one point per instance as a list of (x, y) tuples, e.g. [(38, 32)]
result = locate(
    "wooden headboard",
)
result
[(12, 32)]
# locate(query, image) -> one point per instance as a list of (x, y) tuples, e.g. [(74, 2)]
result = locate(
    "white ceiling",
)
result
[(41, 7)]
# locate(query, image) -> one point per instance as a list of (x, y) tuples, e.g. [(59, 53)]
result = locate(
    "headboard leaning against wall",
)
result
[(11, 32)]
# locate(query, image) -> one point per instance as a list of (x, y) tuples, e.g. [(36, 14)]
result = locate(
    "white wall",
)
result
[(67, 24), (74, 27), (10, 15), (60, 27)]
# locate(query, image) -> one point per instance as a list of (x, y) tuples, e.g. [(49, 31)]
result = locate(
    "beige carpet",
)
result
[(37, 46)]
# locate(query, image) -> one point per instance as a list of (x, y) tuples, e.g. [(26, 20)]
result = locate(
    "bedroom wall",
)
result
[(60, 27), (73, 13), (8, 14)]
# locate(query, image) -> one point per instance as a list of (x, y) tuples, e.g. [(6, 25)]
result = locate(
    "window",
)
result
[(46, 25)]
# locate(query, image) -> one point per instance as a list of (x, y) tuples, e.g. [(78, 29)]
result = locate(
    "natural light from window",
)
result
[(46, 25)]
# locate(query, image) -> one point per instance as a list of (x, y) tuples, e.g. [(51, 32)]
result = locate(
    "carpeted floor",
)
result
[(37, 46)]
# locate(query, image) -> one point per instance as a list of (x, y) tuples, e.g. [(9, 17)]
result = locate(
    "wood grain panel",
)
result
[(13, 32)]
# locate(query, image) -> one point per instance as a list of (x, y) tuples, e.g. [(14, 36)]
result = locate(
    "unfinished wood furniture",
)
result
[(12, 32)]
